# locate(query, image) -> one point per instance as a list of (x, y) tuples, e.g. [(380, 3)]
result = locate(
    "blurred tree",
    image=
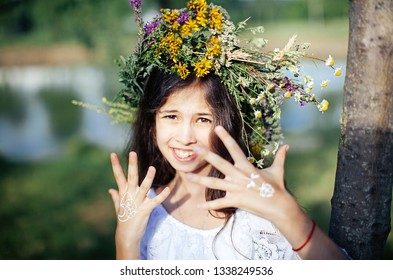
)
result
[(315, 11), (21, 21), (361, 204), (164, 3), (93, 22)]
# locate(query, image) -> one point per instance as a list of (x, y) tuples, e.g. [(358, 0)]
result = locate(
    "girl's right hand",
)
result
[(132, 205)]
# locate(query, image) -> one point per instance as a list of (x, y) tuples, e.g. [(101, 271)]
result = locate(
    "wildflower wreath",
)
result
[(201, 38)]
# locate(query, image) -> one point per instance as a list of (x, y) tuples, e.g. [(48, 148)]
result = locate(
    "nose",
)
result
[(186, 134)]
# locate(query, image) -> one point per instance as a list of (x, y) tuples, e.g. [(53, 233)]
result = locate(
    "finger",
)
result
[(213, 183), (158, 199), (225, 167), (233, 148), (118, 173), (115, 198), (147, 182), (132, 170), (279, 160), (215, 204)]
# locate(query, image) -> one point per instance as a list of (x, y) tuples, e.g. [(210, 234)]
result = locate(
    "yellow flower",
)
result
[(201, 18), (215, 19), (253, 101), (324, 83), (260, 97), (329, 61), (310, 86), (258, 114), (203, 67), (213, 46), (189, 26), (167, 39), (288, 94), (197, 5), (251, 159), (323, 106), (175, 26), (185, 31), (271, 87), (170, 15), (338, 72), (171, 44), (182, 70), (255, 149)]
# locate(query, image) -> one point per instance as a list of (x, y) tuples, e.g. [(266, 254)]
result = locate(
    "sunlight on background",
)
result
[(54, 157)]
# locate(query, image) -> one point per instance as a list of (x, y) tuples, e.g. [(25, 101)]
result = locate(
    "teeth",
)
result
[(183, 154)]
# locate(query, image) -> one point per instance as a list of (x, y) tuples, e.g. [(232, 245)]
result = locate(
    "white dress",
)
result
[(245, 236)]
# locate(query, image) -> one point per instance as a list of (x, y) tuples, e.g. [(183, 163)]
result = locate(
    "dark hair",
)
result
[(158, 87)]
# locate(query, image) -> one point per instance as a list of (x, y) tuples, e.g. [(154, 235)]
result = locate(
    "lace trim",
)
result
[(245, 236)]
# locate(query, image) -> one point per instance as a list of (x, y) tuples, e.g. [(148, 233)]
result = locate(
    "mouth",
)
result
[(184, 155)]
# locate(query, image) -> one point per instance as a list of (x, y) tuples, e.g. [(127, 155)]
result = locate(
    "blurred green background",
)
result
[(54, 157)]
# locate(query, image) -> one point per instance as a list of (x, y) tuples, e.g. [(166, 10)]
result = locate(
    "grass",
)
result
[(59, 208)]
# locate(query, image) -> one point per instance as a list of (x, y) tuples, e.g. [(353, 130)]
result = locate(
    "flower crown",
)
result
[(202, 39)]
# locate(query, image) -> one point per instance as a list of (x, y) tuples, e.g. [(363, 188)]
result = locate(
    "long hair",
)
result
[(157, 89)]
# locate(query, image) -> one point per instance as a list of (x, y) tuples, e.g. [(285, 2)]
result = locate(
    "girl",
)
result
[(207, 200)]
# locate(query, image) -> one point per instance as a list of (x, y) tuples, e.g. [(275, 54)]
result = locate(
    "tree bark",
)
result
[(361, 203)]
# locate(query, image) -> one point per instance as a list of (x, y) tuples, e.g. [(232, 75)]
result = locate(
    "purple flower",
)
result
[(289, 87), (183, 18), (149, 28), (135, 3)]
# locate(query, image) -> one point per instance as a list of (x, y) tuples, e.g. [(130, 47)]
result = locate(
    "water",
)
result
[(33, 138)]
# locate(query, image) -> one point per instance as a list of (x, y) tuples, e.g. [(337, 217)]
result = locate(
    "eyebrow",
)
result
[(167, 111), (176, 111)]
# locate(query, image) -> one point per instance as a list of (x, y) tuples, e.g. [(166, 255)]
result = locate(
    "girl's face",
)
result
[(183, 122)]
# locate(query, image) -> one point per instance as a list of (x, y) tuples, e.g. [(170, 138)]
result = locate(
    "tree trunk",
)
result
[(361, 204)]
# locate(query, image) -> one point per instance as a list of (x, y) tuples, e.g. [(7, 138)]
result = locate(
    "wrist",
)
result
[(304, 244), (298, 230), (126, 238), (289, 215), (127, 247), (295, 225)]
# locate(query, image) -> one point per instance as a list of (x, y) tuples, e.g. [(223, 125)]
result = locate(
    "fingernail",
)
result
[(190, 176), (198, 149), (219, 128), (201, 205), (287, 148)]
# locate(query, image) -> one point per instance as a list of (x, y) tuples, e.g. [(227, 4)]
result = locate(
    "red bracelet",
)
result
[(308, 238)]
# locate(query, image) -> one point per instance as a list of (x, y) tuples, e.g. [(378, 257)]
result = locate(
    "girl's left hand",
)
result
[(243, 183), (280, 208)]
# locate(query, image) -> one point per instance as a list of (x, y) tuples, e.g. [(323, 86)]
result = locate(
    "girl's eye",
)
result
[(204, 120), (171, 117)]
